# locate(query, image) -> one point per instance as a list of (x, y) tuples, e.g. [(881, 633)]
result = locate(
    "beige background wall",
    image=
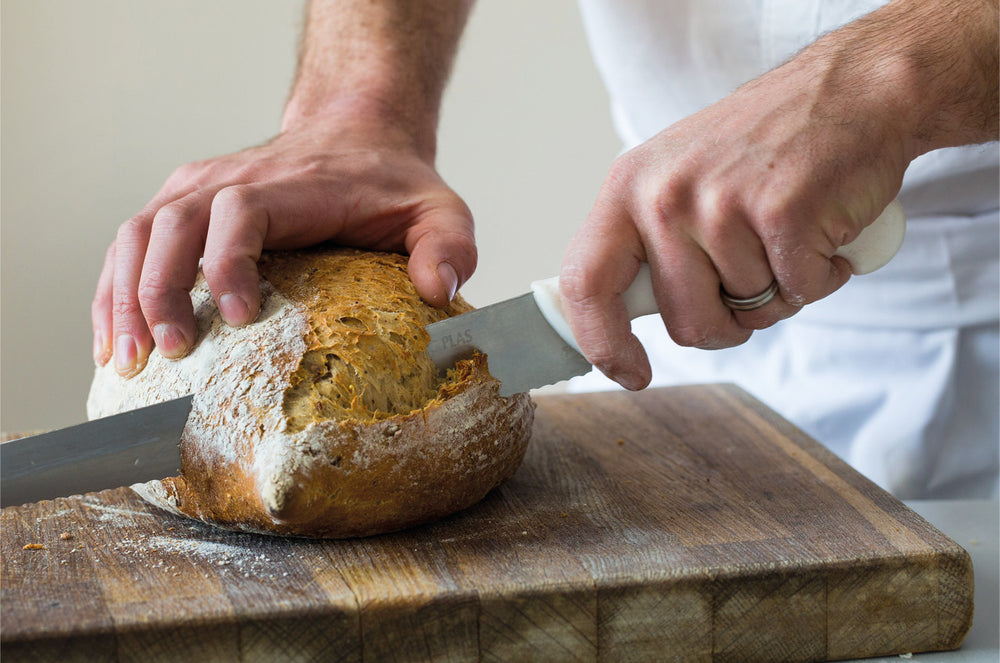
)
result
[(102, 99)]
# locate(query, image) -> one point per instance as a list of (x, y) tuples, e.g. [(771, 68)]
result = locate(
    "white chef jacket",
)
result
[(897, 372)]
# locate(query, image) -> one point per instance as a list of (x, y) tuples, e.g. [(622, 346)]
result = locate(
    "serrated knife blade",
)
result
[(132, 447)]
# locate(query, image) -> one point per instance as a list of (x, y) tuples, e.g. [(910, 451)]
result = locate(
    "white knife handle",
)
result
[(871, 250)]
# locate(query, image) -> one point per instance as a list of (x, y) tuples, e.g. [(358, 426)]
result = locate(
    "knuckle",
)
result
[(152, 290), (579, 285), (175, 217), (222, 269), (126, 309), (131, 232), (621, 174), (193, 174), (799, 295), (666, 197), (802, 275), (787, 225), (775, 220), (721, 202), (790, 271), (99, 306), (465, 249), (688, 336), (602, 359), (233, 199), (183, 174), (214, 268), (598, 348), (660, 204), (773, 204), (719, 209), (465, 244), (755, 321), (693, 335), (839, 231), (218, 264)]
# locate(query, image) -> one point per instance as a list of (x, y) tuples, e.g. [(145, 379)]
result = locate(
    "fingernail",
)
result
[(449, 278), (102, 352), (632, 381), (234, 310), (126, 354), (169, 341)]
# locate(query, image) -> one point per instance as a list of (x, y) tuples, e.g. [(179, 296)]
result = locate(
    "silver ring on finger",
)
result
[(750, 303)]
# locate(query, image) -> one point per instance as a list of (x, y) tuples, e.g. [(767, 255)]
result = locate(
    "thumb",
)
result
[(443, 256)]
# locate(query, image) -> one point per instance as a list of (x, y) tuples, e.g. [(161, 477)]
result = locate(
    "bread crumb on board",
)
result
[(65, 536), (34, 546)]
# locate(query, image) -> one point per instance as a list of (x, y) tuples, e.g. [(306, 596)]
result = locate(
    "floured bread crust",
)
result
[(326, 417)]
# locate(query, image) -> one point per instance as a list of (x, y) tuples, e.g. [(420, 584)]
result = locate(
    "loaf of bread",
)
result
[(326, 417)]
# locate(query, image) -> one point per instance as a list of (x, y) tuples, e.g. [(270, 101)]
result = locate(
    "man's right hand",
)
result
[(357, 185)]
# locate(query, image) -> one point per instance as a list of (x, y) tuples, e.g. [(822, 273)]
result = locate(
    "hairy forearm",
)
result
[(929, 67), (382, 60)]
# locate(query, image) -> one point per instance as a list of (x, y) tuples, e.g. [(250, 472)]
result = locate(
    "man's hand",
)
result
[(295, 191), (769, 182), (354, 163)]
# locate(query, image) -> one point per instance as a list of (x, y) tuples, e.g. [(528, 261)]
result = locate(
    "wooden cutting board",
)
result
[(671, 524)]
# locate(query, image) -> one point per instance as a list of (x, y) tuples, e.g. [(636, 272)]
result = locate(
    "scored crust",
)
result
[(326, 417)]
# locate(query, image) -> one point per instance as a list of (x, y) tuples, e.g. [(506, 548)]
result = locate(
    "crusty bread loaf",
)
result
[(326, 417)]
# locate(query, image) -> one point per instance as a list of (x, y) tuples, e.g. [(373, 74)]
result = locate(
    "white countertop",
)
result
[(974, 525)]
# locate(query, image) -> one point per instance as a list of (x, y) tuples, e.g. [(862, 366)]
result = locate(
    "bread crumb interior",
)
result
[(367, 359)]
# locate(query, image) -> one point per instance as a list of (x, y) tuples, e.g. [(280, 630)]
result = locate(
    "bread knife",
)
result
[(120, 450), (527, 339)]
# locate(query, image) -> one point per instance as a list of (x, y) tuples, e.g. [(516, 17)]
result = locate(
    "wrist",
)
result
[(376, 67), (366, 116), (924, 71)]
